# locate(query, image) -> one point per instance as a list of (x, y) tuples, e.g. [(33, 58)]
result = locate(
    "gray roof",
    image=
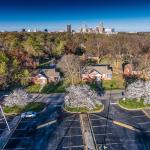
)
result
[(102, 69), (50, 72)]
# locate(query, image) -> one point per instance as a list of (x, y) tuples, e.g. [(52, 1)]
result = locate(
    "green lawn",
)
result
[(33, 88), (47, 89), (133, 104), (83, 109), (34, 106), (51, 88), (117, 82)]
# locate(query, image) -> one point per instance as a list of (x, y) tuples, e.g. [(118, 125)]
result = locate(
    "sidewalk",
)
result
[(86, 132)]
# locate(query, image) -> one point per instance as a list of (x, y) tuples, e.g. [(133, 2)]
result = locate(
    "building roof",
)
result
[(41, 76), (101, 68), (50, 72)]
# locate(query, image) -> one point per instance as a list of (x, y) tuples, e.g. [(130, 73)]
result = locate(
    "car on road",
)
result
[(28, 114)]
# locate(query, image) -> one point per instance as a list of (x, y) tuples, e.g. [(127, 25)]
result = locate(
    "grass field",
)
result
[(133, 104), (36, 106), (58, 88), (84, 109), (117, 82), (33, 88)]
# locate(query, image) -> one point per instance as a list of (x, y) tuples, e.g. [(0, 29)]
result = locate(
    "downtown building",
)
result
[(98, 30)]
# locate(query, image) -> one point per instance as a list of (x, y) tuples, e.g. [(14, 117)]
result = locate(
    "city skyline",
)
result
[(55, 15)]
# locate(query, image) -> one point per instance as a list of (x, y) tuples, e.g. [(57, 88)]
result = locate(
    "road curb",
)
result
[(138, 109), (83, 112)]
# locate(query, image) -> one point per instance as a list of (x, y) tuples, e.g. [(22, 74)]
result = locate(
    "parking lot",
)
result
[(116, 137), (65, 133), (3, 125), (20, 139), (72, 138)]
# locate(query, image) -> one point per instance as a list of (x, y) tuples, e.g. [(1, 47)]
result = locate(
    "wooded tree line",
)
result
[(18, 51)]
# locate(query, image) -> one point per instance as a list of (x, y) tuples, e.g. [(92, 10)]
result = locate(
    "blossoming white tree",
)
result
[(139, 89), (81, 97), (17, 97)]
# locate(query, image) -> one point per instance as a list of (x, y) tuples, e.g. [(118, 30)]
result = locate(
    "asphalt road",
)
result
[(65, 133), (119, 137)]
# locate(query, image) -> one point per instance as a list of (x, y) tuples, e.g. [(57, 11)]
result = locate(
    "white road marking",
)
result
[(136, 117), (113, 103), (103, 134), (16, 148), (73, 146), (71, 120), (99, 119), (146, 131), (143, 123), (99, 126), (72, 135), (70, 127), (14, 138), (122, 142)]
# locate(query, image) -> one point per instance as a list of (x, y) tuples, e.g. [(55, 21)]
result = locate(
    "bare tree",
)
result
[(70, 65)]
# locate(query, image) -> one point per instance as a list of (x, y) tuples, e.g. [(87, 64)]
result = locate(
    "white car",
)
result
[(28, 114)]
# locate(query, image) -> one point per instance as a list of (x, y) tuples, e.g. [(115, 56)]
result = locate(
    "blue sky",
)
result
[(123, 15)]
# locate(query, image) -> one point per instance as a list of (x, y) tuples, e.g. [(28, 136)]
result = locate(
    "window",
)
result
[(109, 76)]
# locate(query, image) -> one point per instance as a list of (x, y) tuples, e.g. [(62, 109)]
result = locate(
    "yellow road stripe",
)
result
[(125, 125), (46, 124)]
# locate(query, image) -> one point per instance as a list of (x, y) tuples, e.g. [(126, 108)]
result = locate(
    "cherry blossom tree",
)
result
[(81, 97), (139, 89), (18, 97)]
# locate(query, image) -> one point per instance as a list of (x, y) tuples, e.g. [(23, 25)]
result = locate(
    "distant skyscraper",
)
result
[(45, 30), (84, 29), (101, 28), (23, 30), (69, 28), (35, 30), (29, 30)]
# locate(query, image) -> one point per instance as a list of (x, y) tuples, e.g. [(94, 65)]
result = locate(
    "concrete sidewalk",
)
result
[(87, 133)]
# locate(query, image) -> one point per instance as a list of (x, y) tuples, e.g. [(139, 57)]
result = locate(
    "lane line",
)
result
[(99, 126), (72, 135), (113, 103), (46, 124), (15, 148), (15, 138), (70, 127), (73, 146), (143, 123), (103, 134), (125, 125)]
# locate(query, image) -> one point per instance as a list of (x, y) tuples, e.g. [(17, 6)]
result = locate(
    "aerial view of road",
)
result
[(53, 128)]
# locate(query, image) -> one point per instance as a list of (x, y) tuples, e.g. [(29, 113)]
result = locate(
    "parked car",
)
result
[(28, 114)]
